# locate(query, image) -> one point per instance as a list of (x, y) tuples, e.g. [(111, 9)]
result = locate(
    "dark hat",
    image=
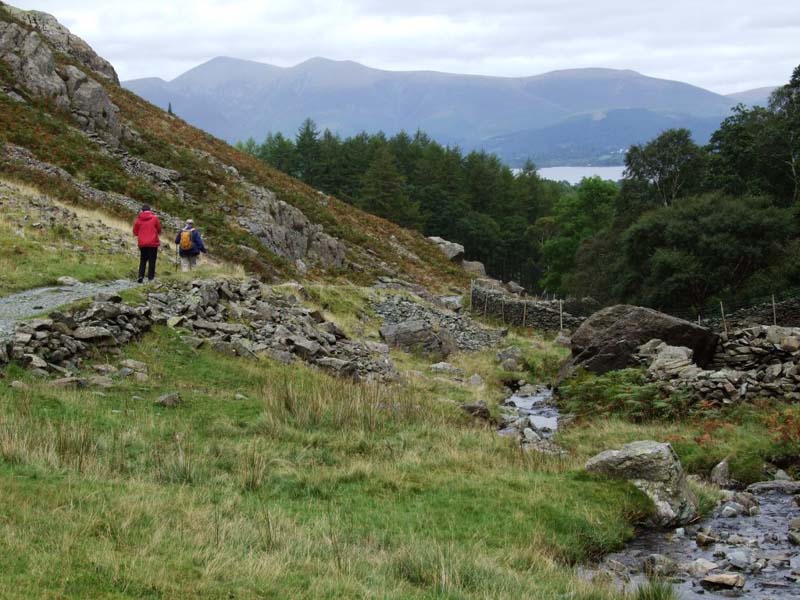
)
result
[(145, 207)]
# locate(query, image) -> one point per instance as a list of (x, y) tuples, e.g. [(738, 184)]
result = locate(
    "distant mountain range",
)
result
[(577, 116)]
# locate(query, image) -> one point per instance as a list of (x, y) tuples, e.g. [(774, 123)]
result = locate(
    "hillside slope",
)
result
[(67, 126), (237, 99)]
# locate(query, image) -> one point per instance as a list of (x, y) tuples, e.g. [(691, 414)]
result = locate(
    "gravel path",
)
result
[(30, 303)]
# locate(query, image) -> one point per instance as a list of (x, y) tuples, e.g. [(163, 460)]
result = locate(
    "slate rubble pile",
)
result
[(246, 319), (236, 318), (749, 363), (466, 334)]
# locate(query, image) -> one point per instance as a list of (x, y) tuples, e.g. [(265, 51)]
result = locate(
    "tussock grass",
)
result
[(312, 487)]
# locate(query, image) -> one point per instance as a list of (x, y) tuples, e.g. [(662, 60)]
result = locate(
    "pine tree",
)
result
[(383, 191), (169, 109), (306, 145)]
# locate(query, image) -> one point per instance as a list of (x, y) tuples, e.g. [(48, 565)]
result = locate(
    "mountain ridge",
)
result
[(237, 99)]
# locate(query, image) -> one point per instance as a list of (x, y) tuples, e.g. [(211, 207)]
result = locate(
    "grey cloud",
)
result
[(724, 45)]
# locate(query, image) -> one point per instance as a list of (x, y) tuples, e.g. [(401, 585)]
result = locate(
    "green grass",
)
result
[(36, 257), (312, 487)]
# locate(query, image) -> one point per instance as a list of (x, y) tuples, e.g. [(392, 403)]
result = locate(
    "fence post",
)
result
[(561, 313), (471, 291), (503, 310), (724, 322), (774, 311), (524, 309), (485, 303)]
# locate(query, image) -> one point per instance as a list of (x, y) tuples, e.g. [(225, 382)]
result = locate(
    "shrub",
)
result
[(106, 180), (624, 393)]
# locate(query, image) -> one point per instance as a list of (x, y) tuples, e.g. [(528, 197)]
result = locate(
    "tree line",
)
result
[(686, 226), (470, 198)]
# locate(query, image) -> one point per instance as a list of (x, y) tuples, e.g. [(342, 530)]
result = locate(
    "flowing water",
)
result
[(758, 548), (531, 415), (754, 543)]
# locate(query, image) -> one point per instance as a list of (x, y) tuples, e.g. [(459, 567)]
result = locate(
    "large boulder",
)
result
[(611, 337), (474, 267), (419, 336), (452, 250), (654, 468)]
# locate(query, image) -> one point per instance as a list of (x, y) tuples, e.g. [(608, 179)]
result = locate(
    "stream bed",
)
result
[(748, 548), (531, 415)]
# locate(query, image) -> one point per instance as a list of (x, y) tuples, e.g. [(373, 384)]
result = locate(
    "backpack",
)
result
[(186, 243)]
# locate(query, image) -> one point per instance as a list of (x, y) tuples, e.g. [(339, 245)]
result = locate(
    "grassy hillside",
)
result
[(307, 487), (376, 246)]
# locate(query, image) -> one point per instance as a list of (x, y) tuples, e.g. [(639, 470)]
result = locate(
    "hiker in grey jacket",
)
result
[(190, 245)]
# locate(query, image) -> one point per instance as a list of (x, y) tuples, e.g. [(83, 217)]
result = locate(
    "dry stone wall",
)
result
[(520, 311), (755, 362)]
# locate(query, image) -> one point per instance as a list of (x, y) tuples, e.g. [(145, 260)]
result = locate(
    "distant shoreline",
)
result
[(574, 174)]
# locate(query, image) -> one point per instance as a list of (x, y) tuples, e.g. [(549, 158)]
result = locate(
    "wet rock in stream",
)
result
[(748, 554), (531, 416)]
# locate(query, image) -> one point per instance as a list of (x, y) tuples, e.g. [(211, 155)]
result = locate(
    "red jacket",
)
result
[(146, 228)]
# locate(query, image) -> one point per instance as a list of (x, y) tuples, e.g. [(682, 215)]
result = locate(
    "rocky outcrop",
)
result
[(653, 468), (474, 268), (90, 105), (63, 40), (455, 253), (610, 338), (287, 232), (31, 60), (32, 63)]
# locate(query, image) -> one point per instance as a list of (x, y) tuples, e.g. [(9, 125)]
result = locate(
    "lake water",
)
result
[(575, 174)]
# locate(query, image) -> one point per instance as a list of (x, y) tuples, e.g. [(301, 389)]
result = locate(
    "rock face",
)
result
[(287, 232), (654, 468), (32, 61), (610, 338), (63, 41)]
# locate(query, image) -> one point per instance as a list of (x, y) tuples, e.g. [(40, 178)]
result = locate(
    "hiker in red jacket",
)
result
[(147, 228)]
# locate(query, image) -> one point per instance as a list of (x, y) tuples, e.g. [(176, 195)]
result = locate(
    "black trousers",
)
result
[(147, 258)]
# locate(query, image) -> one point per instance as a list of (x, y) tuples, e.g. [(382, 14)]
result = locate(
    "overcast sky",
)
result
[(722, 45)]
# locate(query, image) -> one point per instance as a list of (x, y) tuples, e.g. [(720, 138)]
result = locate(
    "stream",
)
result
[(725, 556), (748, 548), (531, 415)]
